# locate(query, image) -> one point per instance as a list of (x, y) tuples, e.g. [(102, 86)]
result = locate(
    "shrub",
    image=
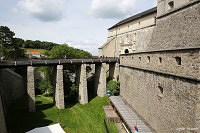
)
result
[(71, 95), (113, 87)]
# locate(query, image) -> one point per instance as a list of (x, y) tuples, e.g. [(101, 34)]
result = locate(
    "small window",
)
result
[(126, 51), (160, 60), (178, 60), (171, 4), (140, 58), (160, 94), (148, 58)]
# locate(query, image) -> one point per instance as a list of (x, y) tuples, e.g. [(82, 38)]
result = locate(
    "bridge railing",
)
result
[(52, 62)]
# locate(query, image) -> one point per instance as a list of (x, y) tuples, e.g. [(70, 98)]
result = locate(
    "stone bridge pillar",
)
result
[(2, 119), (31, 88), (100, 80), (114, 71), (81, 82), (59, 90)]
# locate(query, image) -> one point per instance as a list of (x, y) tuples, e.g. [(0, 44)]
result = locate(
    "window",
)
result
[(160, 94), (160, 60), (178, 60), (135, 35), (126, 51), (148, 58), (171, 4), (140, 58)]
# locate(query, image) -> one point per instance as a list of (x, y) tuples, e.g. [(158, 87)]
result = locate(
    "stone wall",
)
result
[(163, 90), (11, 87), (166, 102), (180, 29), (166, 61), (164, 7)]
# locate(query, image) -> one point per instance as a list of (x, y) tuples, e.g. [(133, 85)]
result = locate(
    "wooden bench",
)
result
[(128, 116)]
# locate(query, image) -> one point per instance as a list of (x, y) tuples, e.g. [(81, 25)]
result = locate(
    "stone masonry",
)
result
[(166, 102), (2, 119), (31, 88), (162, 83), (179, 29), (100, 80), (81, 82), (59, 91), (169, 91)]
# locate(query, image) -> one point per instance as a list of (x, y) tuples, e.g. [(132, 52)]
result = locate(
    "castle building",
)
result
[(159, 53), (130, 35)]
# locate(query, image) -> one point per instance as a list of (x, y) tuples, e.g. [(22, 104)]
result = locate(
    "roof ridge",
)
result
[(149, 11)]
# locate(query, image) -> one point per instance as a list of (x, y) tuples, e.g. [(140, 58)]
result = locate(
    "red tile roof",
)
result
[(34, 52)]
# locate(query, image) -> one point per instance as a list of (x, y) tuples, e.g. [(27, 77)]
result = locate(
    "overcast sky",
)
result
[(80, 23)]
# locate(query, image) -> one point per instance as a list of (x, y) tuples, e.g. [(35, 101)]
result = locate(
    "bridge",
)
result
[(54, 62), (58, 85)]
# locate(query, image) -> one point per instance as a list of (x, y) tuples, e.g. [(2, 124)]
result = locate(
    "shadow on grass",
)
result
[(19, 120)]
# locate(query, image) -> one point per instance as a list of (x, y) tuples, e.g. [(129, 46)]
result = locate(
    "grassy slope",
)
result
[(42, 51), (79, 118)]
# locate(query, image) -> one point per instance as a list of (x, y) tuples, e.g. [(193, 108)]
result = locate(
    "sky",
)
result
[(81, 24)]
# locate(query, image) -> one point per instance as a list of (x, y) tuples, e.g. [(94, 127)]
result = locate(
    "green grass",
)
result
[(77, 119), (42, 51)]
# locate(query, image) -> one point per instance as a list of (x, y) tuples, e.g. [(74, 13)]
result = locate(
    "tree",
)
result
[(11, 45), (64, 51), (6, 36)]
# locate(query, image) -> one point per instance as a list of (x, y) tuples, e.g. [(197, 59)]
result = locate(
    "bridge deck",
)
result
[(130, 118), (53, 62)]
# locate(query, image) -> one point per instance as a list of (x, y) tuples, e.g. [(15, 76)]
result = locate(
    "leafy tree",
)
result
[(6, 36), (11, 45), (64, 51)]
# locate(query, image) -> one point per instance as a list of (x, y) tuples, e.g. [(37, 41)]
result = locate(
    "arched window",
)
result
[(126, 51)]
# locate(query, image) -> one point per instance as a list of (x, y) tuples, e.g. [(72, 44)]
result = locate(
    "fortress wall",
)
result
[(11, 87), (190, 65), (141, 82), (177, 108), (179, 29)]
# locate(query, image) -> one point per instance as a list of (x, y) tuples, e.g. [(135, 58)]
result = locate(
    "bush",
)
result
[(113, 87), (74, 93), (71, 95), (46, 84)]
